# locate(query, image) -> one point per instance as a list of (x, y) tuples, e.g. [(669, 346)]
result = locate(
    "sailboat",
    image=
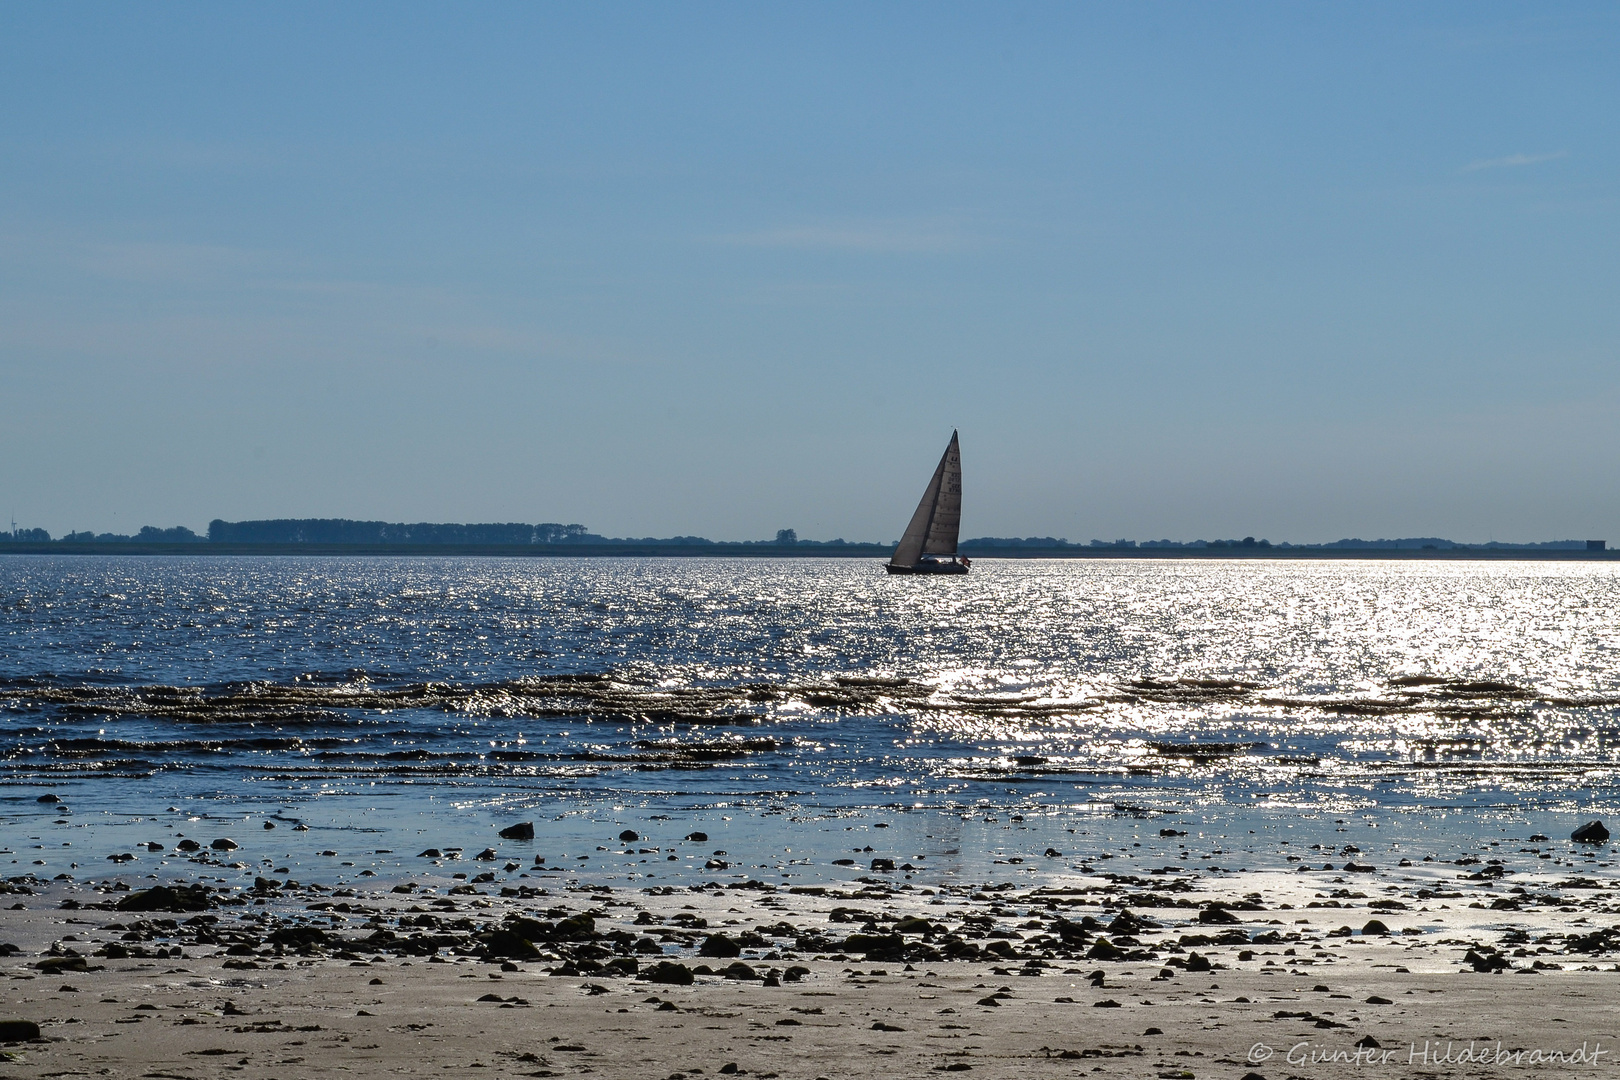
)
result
[(929, 544)]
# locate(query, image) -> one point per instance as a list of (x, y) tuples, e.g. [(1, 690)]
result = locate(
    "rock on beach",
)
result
[(1593, 832)]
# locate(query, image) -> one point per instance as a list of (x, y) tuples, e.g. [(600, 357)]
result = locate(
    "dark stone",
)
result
[(1376, 1000), (881, 1026), (1072, 933), (487, 855), (19, 1030), (1216, 915), (1126, 923), (698, 837), (1103, 949), (504, 943), (883, 865), (532, 929), (913, 925), (1592, 832), (1053, 853), (166, 898), (739, 970), (48, 799), (719, 945), (1369, 1042), (523, 830), (876, 946), (668, 973), (224, 844), (1375, 927), (301, 938), (1196, 962), (269, 825), (575, 928), (431, 853), (55, 965), (188, 845), (629, 836), (1106, 1003)]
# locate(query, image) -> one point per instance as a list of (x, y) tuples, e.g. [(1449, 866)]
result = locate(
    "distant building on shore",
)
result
[(1597, 545)]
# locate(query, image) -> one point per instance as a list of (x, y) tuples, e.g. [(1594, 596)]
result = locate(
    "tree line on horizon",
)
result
[(345, 531)]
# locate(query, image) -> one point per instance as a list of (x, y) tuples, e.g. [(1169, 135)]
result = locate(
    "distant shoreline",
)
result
[(798, 551)]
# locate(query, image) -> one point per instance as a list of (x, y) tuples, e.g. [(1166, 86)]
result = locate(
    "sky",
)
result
[(1174, 270)]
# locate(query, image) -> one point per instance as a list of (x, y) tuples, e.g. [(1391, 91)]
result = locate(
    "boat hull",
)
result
[(927, 568)]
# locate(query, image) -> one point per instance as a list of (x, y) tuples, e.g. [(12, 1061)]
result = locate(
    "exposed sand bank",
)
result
[(303, 981)]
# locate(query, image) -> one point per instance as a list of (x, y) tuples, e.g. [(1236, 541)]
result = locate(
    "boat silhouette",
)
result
[(929, 543)]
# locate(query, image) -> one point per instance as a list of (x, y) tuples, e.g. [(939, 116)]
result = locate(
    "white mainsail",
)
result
[(934, 526)]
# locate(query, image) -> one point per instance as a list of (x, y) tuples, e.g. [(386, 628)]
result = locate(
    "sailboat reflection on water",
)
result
[(929, 545)]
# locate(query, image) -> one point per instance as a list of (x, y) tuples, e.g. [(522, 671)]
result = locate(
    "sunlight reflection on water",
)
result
[(1243, 687)]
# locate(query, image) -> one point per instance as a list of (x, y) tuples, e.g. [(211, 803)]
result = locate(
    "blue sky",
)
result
[(1175, 270)]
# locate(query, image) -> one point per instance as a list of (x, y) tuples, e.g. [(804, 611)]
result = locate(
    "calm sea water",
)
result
[(798, 712)]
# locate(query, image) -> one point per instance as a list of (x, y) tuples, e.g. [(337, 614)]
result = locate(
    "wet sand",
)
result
[(1110, 975)]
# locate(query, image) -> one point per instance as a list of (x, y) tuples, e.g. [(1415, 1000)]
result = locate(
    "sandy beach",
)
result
[(1434, 969)]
